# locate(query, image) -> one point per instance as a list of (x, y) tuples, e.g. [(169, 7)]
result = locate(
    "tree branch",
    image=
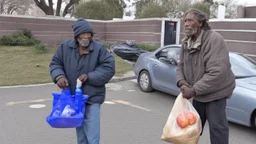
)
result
[(13, 10), (50, 7), (43, 6), (10, 8), (58, 7), (66, 10), (2, 3)]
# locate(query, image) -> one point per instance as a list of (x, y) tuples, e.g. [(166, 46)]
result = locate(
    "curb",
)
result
[(113, 80), (119, 79)]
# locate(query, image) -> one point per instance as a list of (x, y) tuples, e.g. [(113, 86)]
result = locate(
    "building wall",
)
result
[(50, 30), (53, 30), (240, 34), (143, 31), (247, 12)]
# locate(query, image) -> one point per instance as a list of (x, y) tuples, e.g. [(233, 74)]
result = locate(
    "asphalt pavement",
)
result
[(128, 116)]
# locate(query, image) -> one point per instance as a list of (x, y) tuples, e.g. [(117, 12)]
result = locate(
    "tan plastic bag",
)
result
[(172, 132)]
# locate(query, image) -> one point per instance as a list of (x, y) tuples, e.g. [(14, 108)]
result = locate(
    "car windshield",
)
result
[(242, 66)]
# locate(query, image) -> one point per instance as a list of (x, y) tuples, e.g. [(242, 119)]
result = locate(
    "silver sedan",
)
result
[(157, 71)]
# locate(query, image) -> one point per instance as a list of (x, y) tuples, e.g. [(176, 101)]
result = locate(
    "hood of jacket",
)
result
[(81, 26)]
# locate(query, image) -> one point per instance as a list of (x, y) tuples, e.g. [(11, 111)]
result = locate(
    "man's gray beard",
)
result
[(188, 35), (193, 33), (83, 44)]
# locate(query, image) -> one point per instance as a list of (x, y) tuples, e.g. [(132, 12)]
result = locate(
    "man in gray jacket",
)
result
[(204, 74), (84, 58)]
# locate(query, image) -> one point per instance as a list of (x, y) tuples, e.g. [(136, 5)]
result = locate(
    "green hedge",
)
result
[(23, 38), (41, 48), (107, 44)]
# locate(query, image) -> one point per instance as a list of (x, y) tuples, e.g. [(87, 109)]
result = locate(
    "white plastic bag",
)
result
[(68, 111), (172, 132)]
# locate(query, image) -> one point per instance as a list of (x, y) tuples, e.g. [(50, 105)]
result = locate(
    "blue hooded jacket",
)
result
[(81, 26), (98, 64)]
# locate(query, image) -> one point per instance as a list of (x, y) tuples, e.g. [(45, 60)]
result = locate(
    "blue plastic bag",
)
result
[(67, 110)]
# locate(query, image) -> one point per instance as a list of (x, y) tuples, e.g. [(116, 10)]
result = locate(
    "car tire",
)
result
[(144, 81), (254, 119)]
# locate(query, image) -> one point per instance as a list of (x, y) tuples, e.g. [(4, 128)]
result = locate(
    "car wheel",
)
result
[(145, 82), (254, 120)]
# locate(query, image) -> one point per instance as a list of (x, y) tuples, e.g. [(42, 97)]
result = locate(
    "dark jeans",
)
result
[(215, 113)]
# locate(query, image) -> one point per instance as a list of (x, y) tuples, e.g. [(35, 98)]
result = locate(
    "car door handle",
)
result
[(155, 64)]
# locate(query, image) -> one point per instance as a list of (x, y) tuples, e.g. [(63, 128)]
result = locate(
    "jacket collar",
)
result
[(73, 44), (196, 46)]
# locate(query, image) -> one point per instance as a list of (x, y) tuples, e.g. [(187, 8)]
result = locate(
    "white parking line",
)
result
[(112, 102), (37, 106), (109, 102), (27, 101), (131, 105)]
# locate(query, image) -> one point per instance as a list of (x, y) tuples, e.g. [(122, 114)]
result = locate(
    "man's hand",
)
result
[(188, 92), (183, 83), (83, 78), (62, 82)]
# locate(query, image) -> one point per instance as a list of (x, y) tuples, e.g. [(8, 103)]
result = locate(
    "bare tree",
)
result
[(100, 10), (230, 5), (177, 8), (231, 8), (14, 6), (128, 13), (47, 7), (173, 8)]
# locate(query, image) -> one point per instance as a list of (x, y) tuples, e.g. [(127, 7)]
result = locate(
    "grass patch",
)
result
[(21, 65), (121, 66)]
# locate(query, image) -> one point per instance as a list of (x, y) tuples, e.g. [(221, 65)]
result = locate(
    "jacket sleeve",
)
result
[(217, 69), (56, 64), (179, 71), (104, 71)]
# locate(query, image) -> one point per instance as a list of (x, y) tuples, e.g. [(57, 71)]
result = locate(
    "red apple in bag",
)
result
[(191, 118), (182, 120)]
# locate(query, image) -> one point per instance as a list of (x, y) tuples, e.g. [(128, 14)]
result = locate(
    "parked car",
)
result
[(157, 71)]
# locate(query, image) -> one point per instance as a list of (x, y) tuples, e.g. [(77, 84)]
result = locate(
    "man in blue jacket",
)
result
[(84, 58)]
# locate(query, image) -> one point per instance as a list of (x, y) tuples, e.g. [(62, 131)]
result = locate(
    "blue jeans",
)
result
[(89, 132)]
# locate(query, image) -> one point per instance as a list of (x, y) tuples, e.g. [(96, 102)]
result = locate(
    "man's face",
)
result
[(84, 39), (85, 36), (191, 25)]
